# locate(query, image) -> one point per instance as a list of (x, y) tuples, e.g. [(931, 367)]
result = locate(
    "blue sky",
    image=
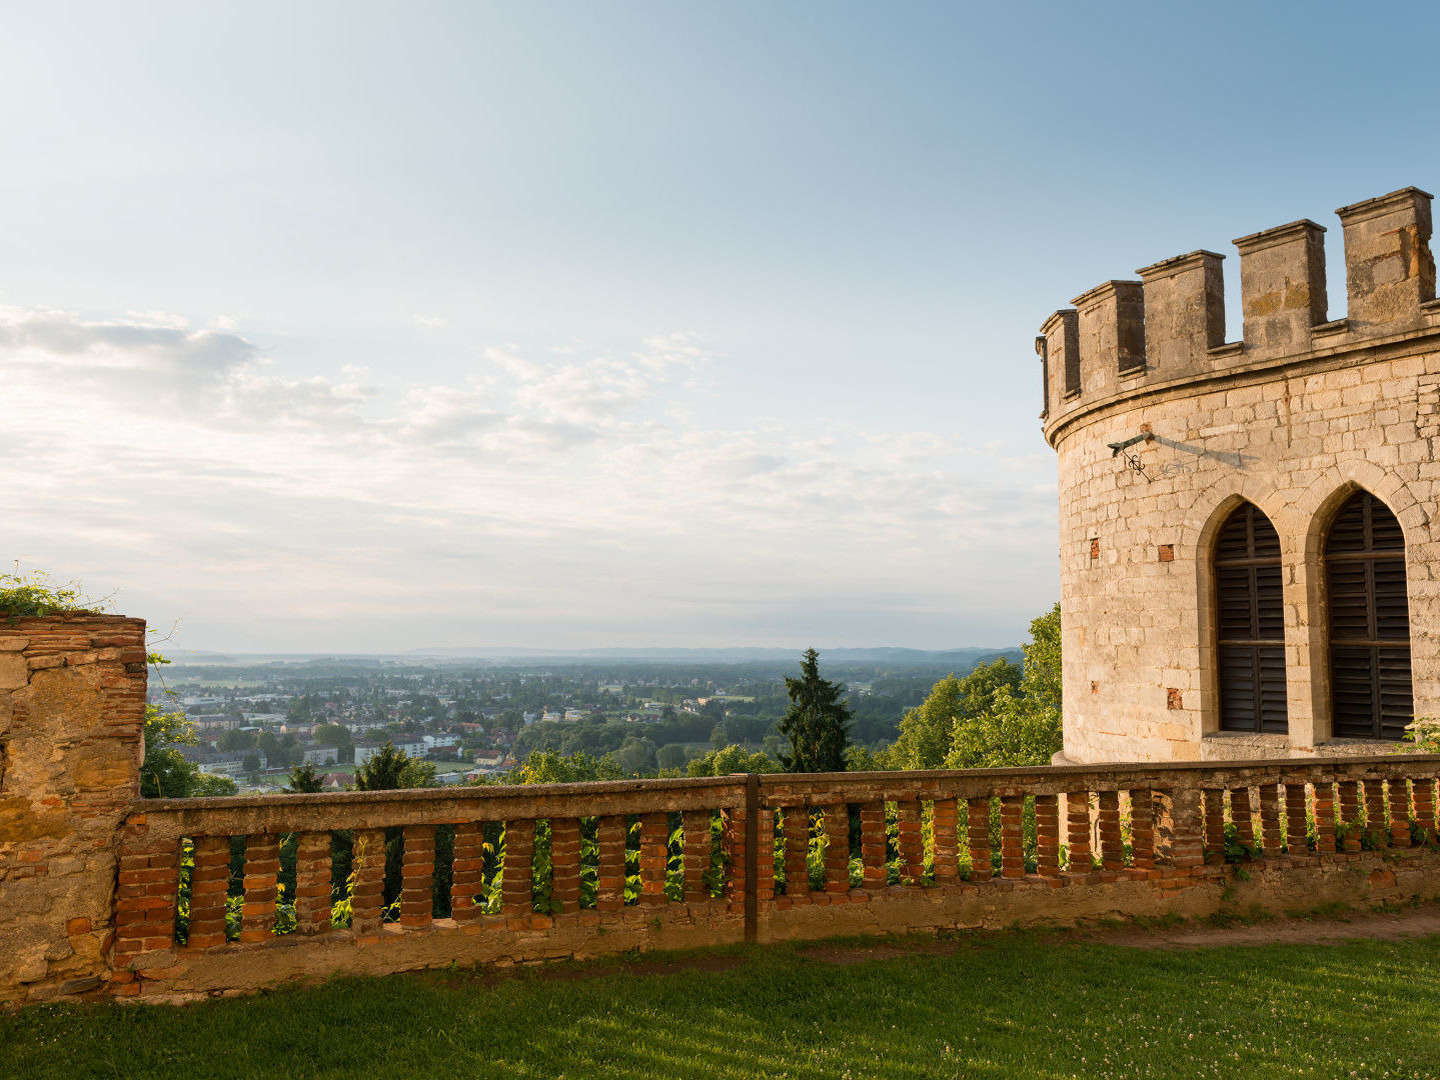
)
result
[(369, 327)]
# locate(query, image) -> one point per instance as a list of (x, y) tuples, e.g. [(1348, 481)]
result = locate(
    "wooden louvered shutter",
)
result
[(1369, 621), (1250, 618)]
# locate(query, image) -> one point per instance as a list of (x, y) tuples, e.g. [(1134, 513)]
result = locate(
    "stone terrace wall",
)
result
[(103, 894), (72, 704)]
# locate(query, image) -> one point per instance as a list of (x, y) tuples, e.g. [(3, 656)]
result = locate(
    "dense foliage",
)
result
[(25, 595), (999, 715)]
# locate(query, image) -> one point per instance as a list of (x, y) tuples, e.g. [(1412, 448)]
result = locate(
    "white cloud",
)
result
[(553, 498), (431, 322)]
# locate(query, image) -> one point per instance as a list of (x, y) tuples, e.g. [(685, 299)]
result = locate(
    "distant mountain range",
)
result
[(957, 659), (877, 655)]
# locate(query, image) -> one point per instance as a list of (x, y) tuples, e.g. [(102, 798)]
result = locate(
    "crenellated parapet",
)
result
[(1127, 338)]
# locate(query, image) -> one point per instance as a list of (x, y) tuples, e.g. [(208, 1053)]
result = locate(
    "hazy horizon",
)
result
[(355, 326)]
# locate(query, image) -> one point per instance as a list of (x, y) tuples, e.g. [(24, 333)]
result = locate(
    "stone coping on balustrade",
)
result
[(1289, 766)]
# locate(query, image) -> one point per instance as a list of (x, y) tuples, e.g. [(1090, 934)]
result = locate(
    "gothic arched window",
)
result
[(1369, 621), (1250, 624)]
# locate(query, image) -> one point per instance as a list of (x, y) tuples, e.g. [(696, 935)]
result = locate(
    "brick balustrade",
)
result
[(575, 870)]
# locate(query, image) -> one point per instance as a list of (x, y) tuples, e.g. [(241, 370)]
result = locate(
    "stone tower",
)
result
[(1250, 562)]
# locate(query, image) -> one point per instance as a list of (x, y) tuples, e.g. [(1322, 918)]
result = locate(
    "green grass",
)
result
[(1023, 1005)]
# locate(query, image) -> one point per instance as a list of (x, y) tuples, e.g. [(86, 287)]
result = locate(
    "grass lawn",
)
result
[(1022, 1005)]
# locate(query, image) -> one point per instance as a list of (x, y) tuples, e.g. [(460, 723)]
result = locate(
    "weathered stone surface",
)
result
[(68, 776), (14, 671)]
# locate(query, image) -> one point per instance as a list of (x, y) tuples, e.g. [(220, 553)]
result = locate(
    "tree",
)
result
[(333, 735), (279, 750), (928, 731), (165, 772), (731, 759), (235, 739), (305, 780), (390, 769), (1022, 724), (816, 722), (720, 736), (548, 767), (636, 756), (251, 763), (671, 756)]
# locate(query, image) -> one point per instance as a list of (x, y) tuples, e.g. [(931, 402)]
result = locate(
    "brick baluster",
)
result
[(696, 859), (467, 871), (1047, 835), (517, 888), (1325, 817), (1184, 823), (1242, 817), (610, 871), (368, 894), (1424, 791), (733, 825), (1214, 825), (1077, 830), (312, 883), (837, 848), (417, 877), (1112, 848), (1270, 830), (977, 830), (209, 885), (873, 844), (1350, 813), (1375, 825), (654, 849), (765, 854), (1012, 840), (1295, 824), (262, 866), (797, 847), (910, 840), (945, 825), (1399, 792), (145, 897), (1142, 828), (565, 864)]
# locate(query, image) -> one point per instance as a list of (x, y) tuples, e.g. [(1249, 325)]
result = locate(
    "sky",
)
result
[(371, 327)]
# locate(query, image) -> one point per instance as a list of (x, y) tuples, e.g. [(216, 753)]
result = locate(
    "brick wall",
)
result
[(72, 696)]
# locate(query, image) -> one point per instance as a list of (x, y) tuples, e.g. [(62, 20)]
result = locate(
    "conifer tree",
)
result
[(817, 722), (305, 780)]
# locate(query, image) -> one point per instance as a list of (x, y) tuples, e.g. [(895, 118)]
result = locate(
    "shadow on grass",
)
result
[(1027, 1005)]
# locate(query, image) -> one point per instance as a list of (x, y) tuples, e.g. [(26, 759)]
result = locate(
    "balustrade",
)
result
[(212, 876)]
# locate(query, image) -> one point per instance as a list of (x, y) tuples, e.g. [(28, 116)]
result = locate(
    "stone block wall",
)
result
[(72, 707)]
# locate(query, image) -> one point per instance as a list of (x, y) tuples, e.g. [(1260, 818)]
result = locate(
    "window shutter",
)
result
[(1371, 694), (1250, 624)]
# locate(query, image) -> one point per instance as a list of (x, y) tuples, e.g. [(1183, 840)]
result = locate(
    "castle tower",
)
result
[(1249, 543)]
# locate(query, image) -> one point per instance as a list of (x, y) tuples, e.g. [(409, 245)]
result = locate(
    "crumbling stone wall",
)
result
[(1293, 418), (72, 706)]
